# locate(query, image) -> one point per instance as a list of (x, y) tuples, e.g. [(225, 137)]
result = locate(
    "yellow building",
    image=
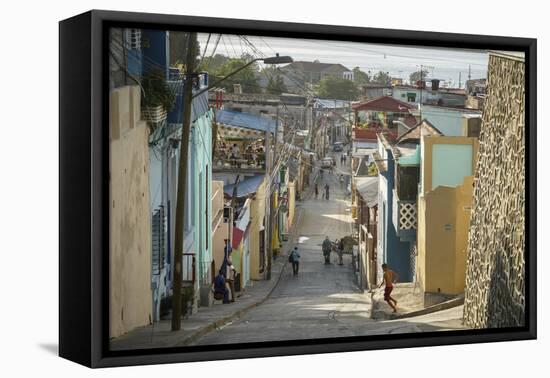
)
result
[(444, 204), (130, 298), (220, 228), (257, 232)]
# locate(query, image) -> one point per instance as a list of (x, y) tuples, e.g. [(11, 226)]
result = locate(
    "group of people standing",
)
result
[(328, 246), (224, 283), (343, 158), (326, 191)]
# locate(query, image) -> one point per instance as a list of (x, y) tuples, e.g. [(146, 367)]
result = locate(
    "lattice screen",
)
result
[(407, 216)]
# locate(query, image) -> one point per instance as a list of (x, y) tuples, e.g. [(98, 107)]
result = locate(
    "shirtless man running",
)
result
[(390, 277)]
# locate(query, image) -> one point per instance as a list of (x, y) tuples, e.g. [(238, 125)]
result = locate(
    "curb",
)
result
[(191, 339), (455, 302)]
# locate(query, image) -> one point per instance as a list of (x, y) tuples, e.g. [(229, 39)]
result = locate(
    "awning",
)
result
[(367, 187), (245, 187)]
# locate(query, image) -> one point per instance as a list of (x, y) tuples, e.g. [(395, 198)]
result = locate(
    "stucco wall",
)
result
[(443, 220), (448, 121), (219, 227), (130, 219), (258, 213), (451, 163), (444, 205), (445, 161)]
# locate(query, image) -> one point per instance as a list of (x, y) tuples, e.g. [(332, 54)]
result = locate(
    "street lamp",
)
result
[(271, 60)]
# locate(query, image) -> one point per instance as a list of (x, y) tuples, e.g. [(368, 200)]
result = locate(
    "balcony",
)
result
[(245, 162), (404, 218)]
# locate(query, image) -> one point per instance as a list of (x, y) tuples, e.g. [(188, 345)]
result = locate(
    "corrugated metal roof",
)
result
[(245, 187), (331, 104), (245, 120)]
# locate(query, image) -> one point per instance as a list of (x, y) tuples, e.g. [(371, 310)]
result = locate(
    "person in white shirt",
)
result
[(230, 278)]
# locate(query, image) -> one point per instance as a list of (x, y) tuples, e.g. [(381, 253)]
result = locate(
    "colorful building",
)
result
[(392, 249), (130, 295), (444, 205)]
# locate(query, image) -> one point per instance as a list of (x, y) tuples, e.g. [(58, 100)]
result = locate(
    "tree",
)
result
[(418, 75), (361, 77), (246, 78), (337, 88), (381, 78), (178, 45), (276, 85), (213, 64)]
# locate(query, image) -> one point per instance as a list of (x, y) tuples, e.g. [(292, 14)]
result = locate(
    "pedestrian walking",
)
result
[(327, 247), (316, 190), (389, 278), (294, 258), (341, 181), (327, 191), (340, 252)]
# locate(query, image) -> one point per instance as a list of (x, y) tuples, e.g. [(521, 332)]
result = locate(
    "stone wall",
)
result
[(495, 273)]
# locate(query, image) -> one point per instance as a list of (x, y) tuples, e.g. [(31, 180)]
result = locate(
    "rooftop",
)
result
[(414, 134), (245, 120), (384, 104), (316, 67)]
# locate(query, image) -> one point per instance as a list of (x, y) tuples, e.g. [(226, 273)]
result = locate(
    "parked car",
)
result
[(337, 147), (327, 162)]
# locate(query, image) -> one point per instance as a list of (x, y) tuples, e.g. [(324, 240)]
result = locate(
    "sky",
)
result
[(449, 65)]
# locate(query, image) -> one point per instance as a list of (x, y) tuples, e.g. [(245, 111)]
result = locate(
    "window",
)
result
[(134, 39)]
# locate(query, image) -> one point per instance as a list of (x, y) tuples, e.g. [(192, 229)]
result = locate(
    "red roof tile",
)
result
[(384, 104)]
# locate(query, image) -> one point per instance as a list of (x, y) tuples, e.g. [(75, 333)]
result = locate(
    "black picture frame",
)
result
[(83, 181)]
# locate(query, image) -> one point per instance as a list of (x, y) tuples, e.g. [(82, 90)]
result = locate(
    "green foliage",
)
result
[(276, 85), (416, 76), (381, 78), (220, 66), (178, 47), (372, 170), (361, 77), (213, 64), (156, 90), (337, 88)]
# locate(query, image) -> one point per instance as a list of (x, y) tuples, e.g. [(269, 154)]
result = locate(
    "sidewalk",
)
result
[(159, 335), (207, 319)]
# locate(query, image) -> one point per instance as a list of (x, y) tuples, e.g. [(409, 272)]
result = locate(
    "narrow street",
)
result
[(322, 300)]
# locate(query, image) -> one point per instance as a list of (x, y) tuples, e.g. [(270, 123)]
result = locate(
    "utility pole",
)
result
[(421, 85), (460, 79), (182, 180), (469, 72)]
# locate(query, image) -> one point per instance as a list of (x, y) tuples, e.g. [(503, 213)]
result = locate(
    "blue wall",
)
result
[(396, 253), (154, 48)]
